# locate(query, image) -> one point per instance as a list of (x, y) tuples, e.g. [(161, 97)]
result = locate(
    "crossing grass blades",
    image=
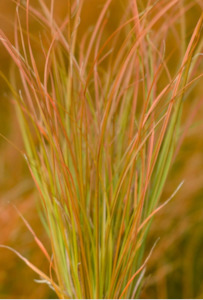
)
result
[(100, 116)]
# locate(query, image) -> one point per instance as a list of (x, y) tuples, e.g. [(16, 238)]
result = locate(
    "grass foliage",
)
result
[(100, 116)]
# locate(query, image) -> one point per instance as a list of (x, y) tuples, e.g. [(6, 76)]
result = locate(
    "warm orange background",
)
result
[(175, 269)]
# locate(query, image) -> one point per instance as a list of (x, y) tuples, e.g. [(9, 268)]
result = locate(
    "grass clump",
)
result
[(100, 116)]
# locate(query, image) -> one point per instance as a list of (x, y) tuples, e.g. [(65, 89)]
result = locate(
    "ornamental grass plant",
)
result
[(100, 115)]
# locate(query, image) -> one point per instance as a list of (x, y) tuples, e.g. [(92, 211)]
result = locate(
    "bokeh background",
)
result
[(175, 269)]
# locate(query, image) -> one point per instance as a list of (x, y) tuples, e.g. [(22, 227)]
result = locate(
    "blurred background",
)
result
[(175, 269)]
